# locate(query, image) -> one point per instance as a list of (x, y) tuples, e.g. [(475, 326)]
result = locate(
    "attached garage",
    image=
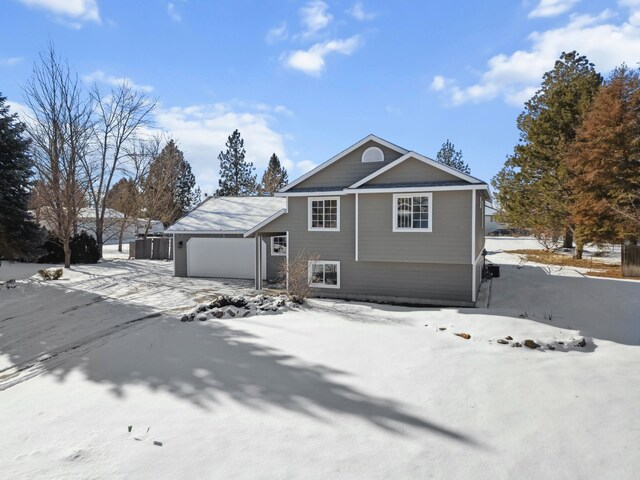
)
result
[(210, 240), (223, 257)]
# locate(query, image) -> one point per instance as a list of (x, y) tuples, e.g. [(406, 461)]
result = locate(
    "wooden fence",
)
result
[(157, 248), (631, 260)]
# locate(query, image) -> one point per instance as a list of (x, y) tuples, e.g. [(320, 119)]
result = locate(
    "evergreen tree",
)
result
[(605, 161), (19, 235), (533, 188), (448, 155), (236, 174), (169, 190), (274, 178), (186, 194)]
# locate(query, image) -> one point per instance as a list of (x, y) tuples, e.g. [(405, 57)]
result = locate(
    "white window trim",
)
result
[(364, 154), (273, 253), (323, 262), (394, 212), (309, 215)]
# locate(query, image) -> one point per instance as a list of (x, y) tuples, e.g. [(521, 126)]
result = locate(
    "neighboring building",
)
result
[(114, 222), (490, 224), (385, 223)]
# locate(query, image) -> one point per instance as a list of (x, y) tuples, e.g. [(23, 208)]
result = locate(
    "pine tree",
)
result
[(274, 178), (19, 235), (169, 190), (448, 155), (236, 174), (605, 161), (533, 188)]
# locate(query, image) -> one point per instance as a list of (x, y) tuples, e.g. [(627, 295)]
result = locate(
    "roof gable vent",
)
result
[(373, 154)]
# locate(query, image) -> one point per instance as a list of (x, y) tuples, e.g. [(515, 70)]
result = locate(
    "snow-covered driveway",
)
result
[(336, 390), (48, 322)]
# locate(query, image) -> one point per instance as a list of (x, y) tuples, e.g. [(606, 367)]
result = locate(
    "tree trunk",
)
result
[(579, 249), (123, 227), (568, 239), (99, 228), (66, 246)]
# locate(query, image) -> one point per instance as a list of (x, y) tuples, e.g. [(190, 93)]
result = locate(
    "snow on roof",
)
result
[(228, 214)]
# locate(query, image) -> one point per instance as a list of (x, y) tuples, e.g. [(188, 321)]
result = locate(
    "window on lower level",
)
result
[(279, 245), (412, 212), (324, 274)]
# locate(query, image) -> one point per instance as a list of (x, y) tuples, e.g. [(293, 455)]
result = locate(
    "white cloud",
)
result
[(438, 83), (23, 111), (100, 77), (202, 130), (173, 12), (314, 17), (277, 34), (552, 8), (312, 61), (514, 76), (78, 10), (358, 12), (10, 61), (304, 166)]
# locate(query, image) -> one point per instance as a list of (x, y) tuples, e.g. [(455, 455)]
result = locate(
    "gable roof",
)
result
[(228, 215), (342, 154), (422, 158)]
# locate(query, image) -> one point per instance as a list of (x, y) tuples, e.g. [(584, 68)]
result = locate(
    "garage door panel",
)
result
[(222, 257)]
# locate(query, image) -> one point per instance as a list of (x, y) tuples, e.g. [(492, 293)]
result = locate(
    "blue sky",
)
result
[(306, 79)]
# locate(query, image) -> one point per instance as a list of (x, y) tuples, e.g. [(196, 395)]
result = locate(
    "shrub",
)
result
[(84, 249), (50, 274), (297, 271)]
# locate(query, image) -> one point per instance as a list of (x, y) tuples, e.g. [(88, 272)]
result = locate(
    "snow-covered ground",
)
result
[(334, 390)]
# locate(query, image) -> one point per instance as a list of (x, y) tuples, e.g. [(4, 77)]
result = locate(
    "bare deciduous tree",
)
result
[(119, 118), (60, 128)]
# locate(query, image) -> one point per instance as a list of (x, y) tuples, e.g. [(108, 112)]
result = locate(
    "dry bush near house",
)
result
[(297, 272), (51, 274)]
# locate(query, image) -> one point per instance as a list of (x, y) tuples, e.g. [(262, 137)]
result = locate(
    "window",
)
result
[(279, 246), (324, 214), (373, 154), (412, 212), (324, 274)]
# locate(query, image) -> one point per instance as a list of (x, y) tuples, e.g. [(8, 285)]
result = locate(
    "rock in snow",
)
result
[(531, 344), (225, 306)]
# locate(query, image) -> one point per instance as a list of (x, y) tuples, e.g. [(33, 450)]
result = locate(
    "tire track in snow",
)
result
[(17, 374)]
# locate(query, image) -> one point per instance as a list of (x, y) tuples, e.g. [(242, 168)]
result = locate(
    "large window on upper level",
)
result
[(324, 214), (412, 212)]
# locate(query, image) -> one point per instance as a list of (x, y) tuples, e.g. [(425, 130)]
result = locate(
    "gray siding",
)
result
[(479, 232), (439, 282), (349, 169), (180, 259), (478, 273), (449, 241), (411, 169), (273, 261)]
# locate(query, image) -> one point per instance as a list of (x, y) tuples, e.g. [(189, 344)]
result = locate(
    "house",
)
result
[(490, 224), (115, 224), (378, 221)]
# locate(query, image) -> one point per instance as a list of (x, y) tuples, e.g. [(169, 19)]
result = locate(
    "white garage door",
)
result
[(223, 257)]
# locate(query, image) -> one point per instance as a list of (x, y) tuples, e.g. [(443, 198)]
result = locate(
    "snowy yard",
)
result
[(335, 390)]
